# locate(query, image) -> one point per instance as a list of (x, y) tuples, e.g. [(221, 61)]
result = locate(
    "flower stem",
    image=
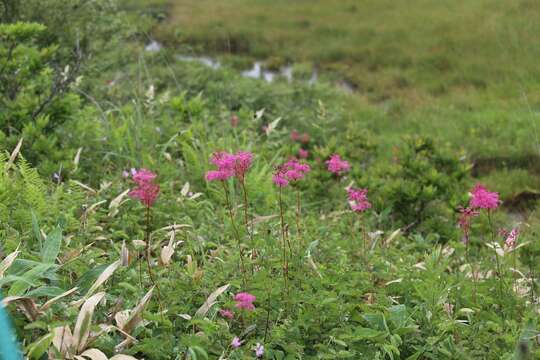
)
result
[(283, 240), (499, 273), (150, 272), (246, 217), (237, 234), (298, 218)]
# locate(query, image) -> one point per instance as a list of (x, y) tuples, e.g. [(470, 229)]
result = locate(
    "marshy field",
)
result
[(233, 179)]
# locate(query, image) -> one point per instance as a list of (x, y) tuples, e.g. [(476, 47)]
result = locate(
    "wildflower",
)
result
[(229, 165), (236, 342), (279, 179), (291, 171), (294, 170), (336, 165), (483, 199), (245, 301), (464, 222), (259, 350), (242, 163), (234, 121), (358, 199), (303, 154), (295, 136), (125, 174), (142, 176), (146, 191), (511, 240), (226, 313), (219, 175)]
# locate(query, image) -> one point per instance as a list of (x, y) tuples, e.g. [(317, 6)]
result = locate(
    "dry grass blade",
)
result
[(56, 298), (77, 158), (14, 154), (63, 341), (8, 261), (211, 300), (25, 304), (84, 320), (185, 189), (122, 357), (121, 318), (94, 354), (124, 254), (391, 237), (116, 202), (85, 187), (104, 276), (168, 251), (261, 219), (135, 315)]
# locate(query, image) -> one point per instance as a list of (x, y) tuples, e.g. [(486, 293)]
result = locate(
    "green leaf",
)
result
[(38, 348), (377, 321), (37, 232), (51, 247), (29, 279), (366, 333)]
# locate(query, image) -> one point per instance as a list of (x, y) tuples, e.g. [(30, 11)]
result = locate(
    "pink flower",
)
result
[(295, 136), (511, 240), (259, 350), (143, 176), (236, 342), (464, 222), (303, 154), (280, 180), (219, 175), (243, 161), (358, 199), (226, 313), (245, 300), (146, 191), (483, 199), (229, 165), (291, 171), (336, 165)]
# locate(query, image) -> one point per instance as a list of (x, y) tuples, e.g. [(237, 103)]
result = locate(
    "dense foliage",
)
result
[(231, 265)]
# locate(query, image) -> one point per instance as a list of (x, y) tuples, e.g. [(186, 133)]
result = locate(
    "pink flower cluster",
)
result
[(511, 240), (336, 165), (358, 199), (291, 171), (244, 300), (483, 199), (146, 191), (303, 154), (229, 165)]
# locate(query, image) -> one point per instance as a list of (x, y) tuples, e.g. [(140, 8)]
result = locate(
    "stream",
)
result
[(257, 71)]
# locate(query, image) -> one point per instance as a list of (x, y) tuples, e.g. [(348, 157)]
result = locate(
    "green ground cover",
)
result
[(91, 272)]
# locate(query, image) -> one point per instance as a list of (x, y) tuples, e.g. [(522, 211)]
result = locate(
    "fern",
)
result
[(35, 189)]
